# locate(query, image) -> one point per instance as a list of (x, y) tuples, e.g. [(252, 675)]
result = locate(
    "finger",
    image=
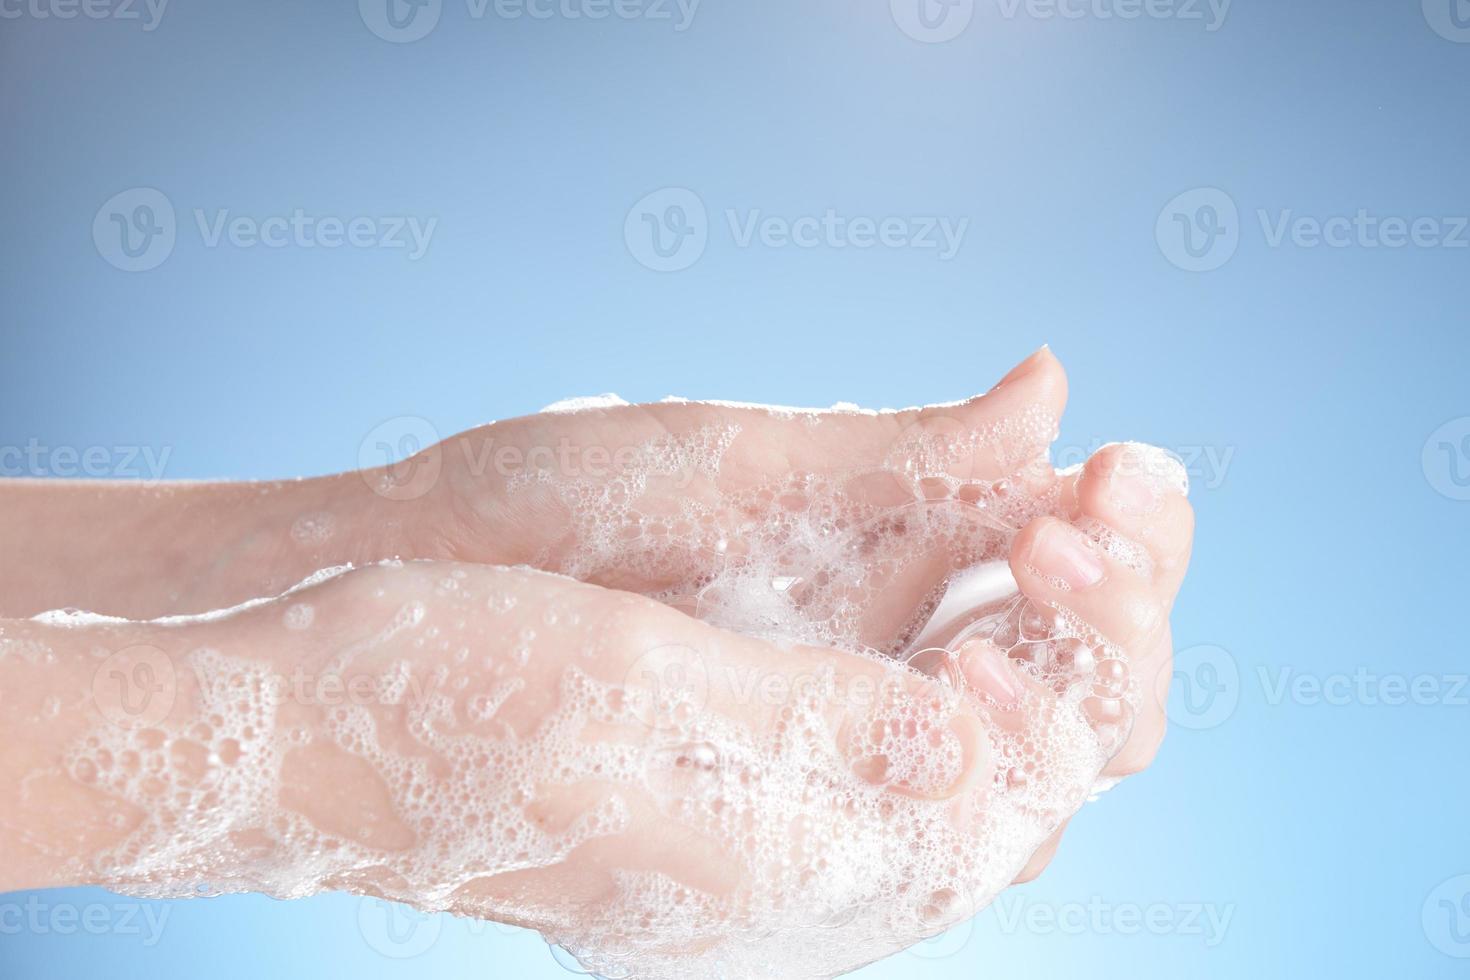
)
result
[(894, 728), (1140, 492), (990, 437), (1059, 566), (710, 456)]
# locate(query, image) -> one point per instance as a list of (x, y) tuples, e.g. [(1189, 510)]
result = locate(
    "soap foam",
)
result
[(838, 866)]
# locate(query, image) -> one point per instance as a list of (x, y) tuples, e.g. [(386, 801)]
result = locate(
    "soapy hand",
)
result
[(858, 517), (654, 791)]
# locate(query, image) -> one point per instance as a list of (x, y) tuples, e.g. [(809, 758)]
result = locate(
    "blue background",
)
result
[(1329, 541)]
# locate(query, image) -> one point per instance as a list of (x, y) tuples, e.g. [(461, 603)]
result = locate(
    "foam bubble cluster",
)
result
[(835, 837)]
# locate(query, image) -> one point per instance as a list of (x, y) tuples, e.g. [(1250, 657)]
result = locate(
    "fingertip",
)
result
[(1140, 492), (1138, 478), (1039, 379)]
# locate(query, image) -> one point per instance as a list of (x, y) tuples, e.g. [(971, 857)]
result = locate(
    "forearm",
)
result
[(52, 823), (278, 748), (135, 753), (146, 550)]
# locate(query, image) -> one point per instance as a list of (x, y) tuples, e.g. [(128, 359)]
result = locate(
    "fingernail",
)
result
[(988, 672), (1061, 553)]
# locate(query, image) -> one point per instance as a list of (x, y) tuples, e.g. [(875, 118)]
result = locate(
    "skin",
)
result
[(143, 552)]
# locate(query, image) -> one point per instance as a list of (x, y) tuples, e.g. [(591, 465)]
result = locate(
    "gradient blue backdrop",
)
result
[(1303, 381)]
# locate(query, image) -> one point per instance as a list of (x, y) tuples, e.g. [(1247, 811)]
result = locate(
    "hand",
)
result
[(860, 518), (509, 744), (493, 494)]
